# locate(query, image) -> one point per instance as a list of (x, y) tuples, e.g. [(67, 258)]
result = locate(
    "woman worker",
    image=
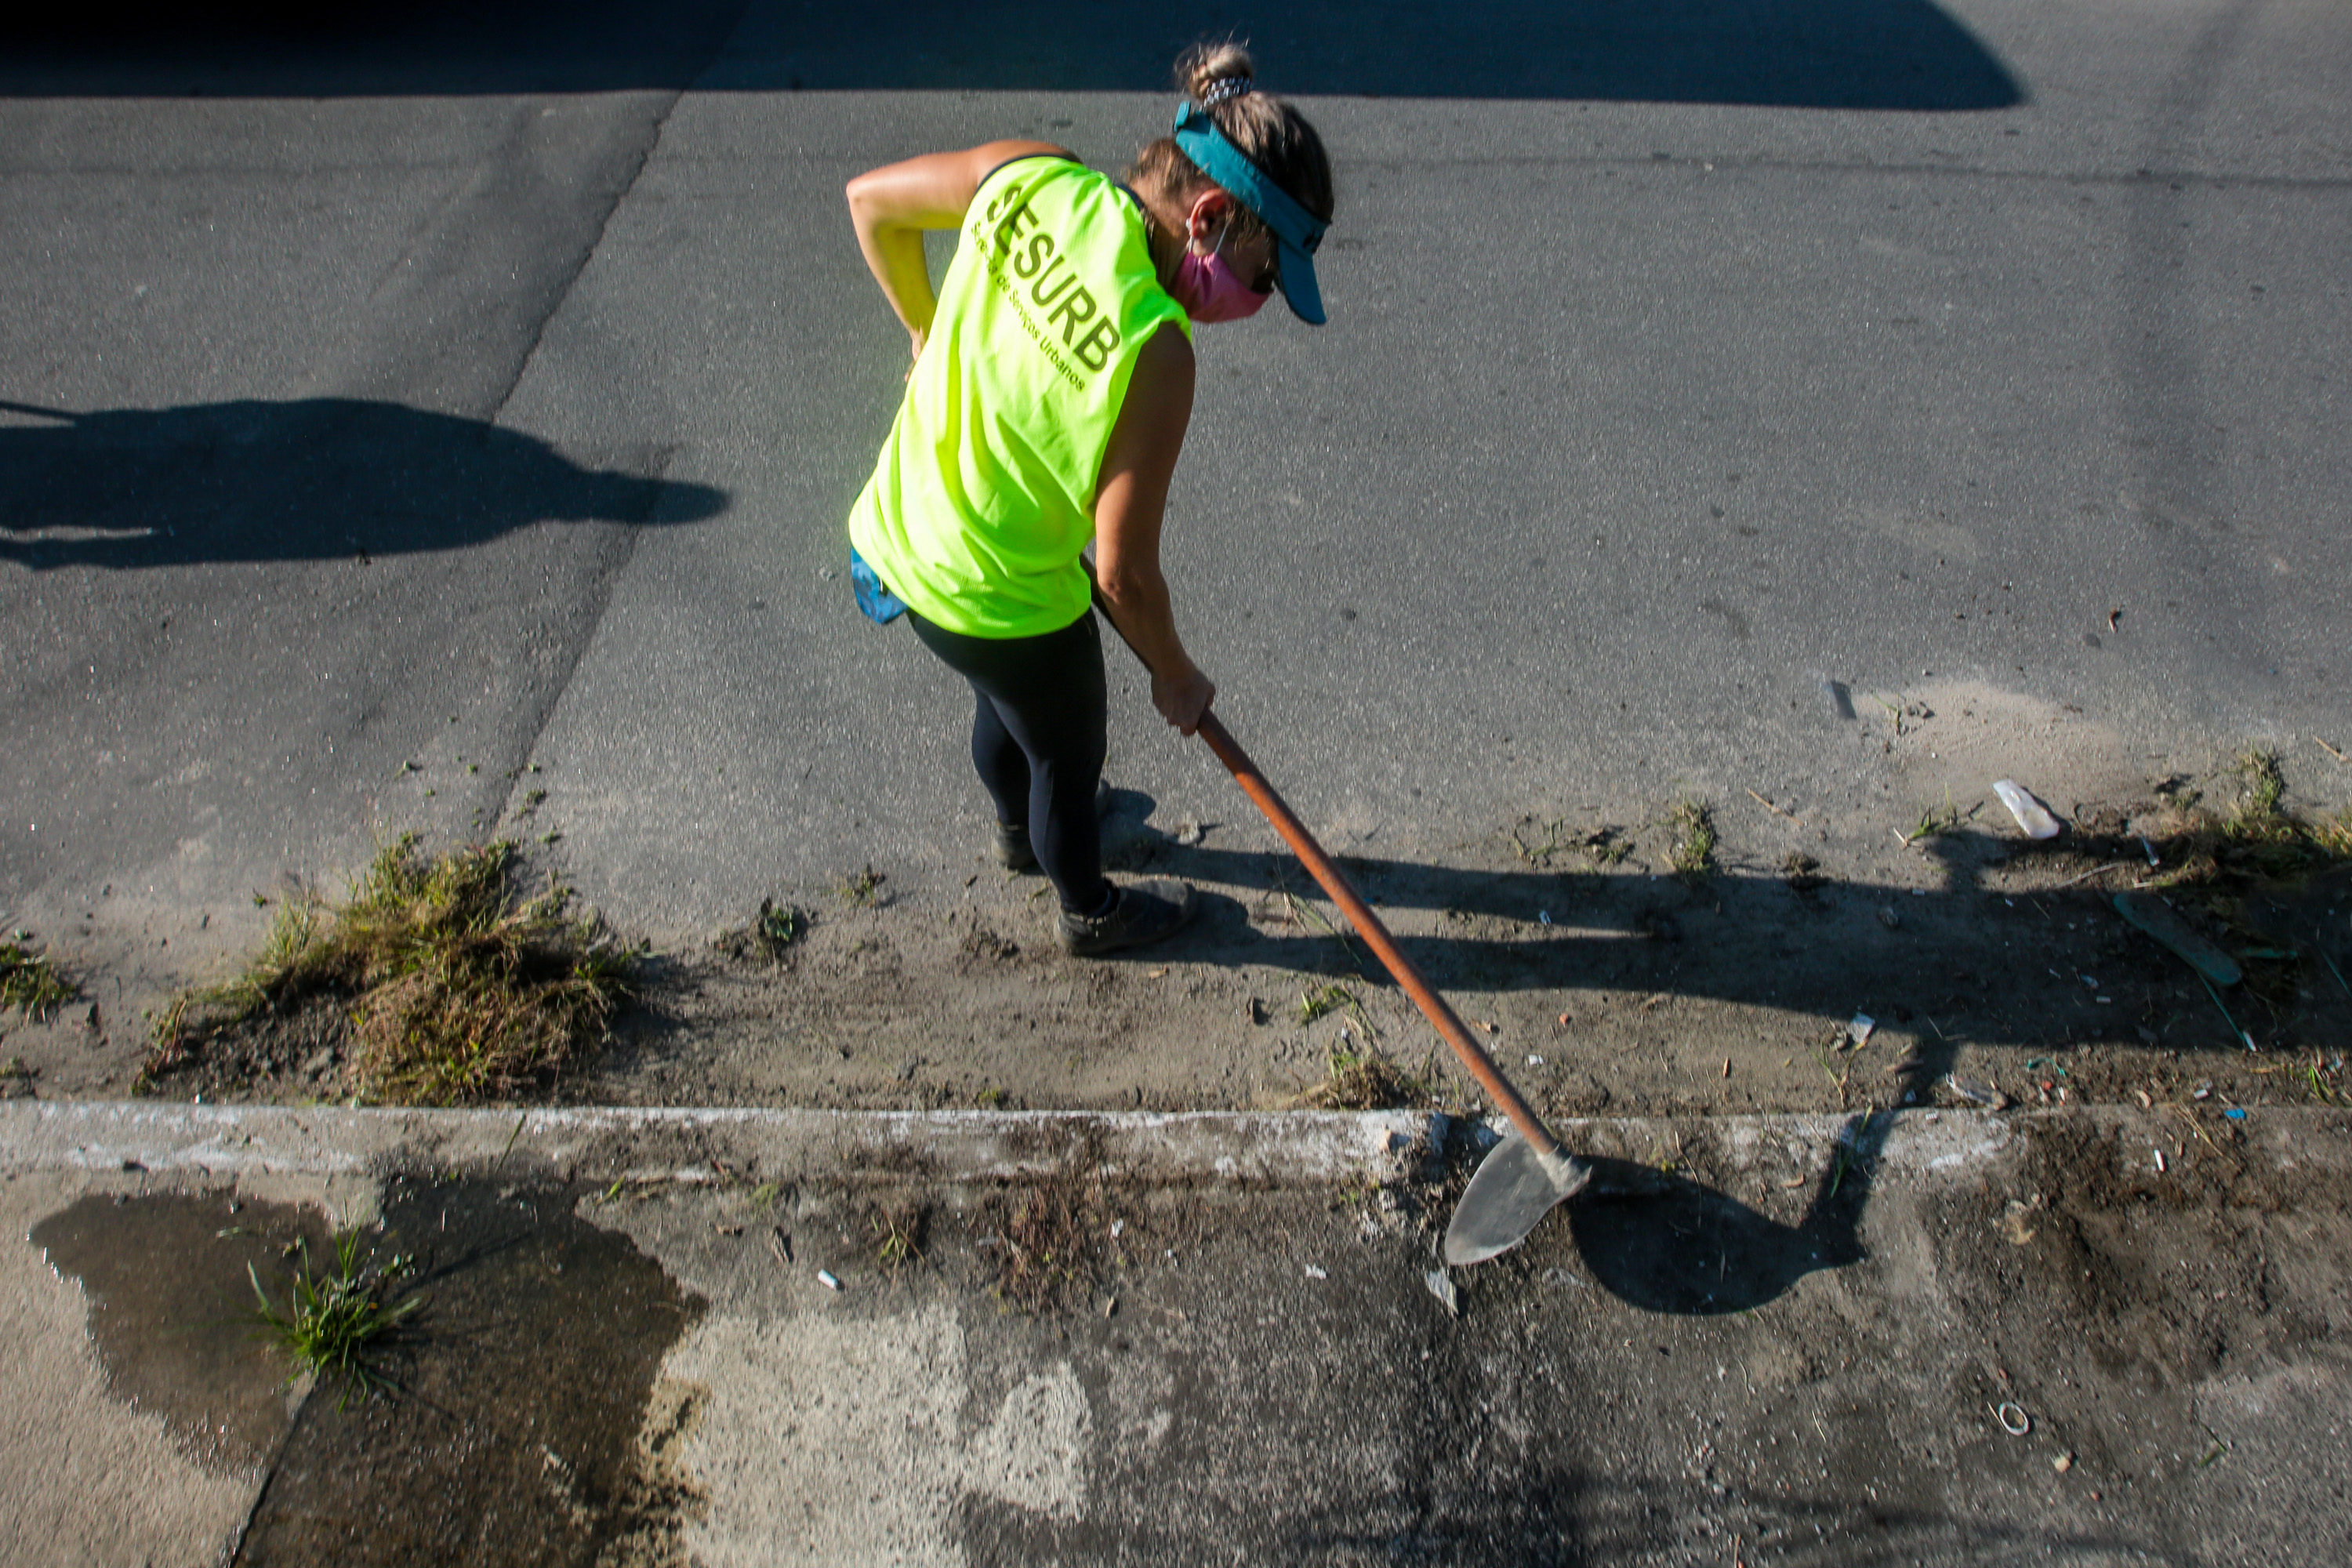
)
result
[(1052, 384)]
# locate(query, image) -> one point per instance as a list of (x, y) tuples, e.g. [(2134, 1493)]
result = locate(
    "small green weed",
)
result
[(863, 891), (1934, 824), (1314, 1002), (1692, 855), (30, 982), (333, 1324), (1607, 847), (778, 927)]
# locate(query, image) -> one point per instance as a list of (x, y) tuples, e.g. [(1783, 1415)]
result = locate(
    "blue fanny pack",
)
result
[(874, 597)]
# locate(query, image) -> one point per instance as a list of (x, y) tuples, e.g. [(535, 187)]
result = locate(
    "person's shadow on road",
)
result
[(308, 479)]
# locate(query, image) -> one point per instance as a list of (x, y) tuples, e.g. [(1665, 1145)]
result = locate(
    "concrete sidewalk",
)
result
[(2087, 1336)]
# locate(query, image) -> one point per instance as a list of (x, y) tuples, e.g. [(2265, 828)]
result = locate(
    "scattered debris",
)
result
[(1314, 1273), (1976, 1093), (1858, 1031), (1189, 834), (825, 1277), (2158, 919), (1441, 1285), (2063, 1462), (1777, 811), (2031, 816), (2013, 1418)]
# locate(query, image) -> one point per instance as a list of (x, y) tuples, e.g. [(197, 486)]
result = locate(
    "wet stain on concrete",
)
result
[(169, 1300), (524, 1387)]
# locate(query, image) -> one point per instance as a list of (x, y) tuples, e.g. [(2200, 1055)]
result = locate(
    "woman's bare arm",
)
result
[(1129, 503), (891, 206)]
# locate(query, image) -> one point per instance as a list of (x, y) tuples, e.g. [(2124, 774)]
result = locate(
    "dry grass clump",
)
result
[(2255, 840), (30, 982), (1365, 1080), (459, 989)]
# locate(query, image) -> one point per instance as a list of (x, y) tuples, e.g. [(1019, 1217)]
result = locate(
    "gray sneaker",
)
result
[(1140, 912)]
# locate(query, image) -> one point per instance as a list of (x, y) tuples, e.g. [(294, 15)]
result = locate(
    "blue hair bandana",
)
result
[(1296, 232)]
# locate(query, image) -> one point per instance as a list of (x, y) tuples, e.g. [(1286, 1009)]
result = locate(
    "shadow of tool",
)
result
[(305, 480), (1665, 1243)]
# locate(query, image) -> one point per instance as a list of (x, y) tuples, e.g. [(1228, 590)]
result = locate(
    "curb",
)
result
[(688, 1146), (703, 1146)]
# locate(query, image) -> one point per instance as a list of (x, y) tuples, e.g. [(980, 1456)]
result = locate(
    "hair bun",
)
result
[(1203, 66)]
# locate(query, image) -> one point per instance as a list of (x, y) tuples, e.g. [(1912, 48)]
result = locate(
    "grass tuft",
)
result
[(333, 1324), (31, 982), (1692, 855), (1365, 1080), (460, 989), (896, 1232)]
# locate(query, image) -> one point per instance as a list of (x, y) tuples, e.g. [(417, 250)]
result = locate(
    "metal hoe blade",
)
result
[(1514, 1189)]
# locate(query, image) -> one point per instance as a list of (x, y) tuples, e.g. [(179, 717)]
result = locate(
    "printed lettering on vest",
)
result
[(1037, 289), (1077, 308), (1011, 237), (1093, 350)]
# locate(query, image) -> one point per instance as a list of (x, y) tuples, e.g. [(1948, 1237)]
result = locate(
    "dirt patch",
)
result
[(1994, 970)]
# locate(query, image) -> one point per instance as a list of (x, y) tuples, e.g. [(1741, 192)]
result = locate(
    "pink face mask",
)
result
[(1212, 291)]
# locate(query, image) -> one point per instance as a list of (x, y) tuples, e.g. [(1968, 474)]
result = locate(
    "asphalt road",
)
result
[(396, 409)]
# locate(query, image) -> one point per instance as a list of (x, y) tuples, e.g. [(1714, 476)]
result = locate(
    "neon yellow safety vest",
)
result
[(986, 491)]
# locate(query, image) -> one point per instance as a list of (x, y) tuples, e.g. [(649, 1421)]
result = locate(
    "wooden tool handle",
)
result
[(1376, 935)]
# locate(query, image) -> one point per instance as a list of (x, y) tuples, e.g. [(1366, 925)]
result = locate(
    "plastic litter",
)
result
[(1314, 1273), (2031, 816), (1441, 1285), (1967, 1090), (824, 1278), (2013, 1418), (2235, 1113), (1859, 1030), (2157, 919)]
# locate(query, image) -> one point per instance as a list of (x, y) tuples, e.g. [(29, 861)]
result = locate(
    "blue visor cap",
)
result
[(1297, 231)]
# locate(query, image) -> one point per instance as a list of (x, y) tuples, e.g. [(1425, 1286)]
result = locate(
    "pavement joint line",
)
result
[(701, 1146)]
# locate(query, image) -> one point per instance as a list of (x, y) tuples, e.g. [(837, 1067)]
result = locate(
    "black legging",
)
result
[(1037, 726)]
